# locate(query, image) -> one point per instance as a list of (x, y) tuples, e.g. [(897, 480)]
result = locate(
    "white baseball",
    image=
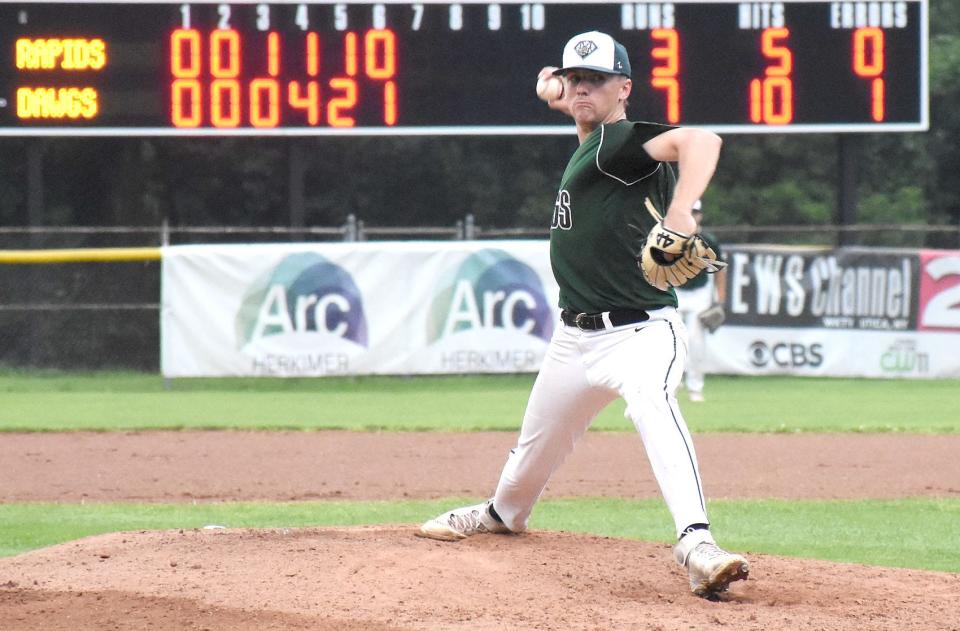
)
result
[(549, 87)]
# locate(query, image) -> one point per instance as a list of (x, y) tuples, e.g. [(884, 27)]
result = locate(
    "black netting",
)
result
[(80, 315)]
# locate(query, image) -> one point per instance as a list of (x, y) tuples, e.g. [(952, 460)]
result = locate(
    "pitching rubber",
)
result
[(441, 532)]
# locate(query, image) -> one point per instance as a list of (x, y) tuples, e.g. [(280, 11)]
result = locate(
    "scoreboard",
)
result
[(377, 68)]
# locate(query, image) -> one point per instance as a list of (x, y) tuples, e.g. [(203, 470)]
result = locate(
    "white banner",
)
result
[(849, 312), (429, 307), (356, 308)]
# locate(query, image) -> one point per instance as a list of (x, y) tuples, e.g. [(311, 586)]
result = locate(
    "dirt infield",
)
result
[(380, 578)]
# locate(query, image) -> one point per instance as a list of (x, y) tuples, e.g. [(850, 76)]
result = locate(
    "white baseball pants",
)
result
[(582, 372)]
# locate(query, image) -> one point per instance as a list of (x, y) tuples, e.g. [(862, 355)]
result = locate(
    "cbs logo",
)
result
[(785, 355)]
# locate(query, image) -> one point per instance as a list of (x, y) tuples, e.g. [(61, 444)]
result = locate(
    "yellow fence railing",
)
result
[(80, 255)]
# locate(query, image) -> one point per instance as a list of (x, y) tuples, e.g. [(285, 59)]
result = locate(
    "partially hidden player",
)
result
[(616, 261), (700, 305)]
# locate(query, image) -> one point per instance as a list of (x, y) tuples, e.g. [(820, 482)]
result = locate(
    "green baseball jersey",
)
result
[(701, 279), (600, 222)]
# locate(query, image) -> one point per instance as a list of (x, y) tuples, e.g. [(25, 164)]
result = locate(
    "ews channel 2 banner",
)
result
[(860, 312), (290, 310)]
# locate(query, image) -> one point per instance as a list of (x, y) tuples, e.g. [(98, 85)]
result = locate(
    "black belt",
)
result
[(594, 321)]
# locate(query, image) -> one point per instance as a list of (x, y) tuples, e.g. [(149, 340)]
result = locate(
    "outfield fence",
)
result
[(83, 298)]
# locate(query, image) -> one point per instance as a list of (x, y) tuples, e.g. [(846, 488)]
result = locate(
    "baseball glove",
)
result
[(670, 259), (712, 317)]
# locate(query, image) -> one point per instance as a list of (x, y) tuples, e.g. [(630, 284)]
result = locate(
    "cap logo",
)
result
[(584, 48)]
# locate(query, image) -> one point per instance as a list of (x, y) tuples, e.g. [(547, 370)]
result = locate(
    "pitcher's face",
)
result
[(597, 97)]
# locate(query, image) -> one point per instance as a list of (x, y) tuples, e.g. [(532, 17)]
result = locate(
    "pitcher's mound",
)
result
[(379, 578)]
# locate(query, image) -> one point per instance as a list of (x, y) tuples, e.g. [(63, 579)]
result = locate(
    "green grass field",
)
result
[(902, 533), (108, 401)]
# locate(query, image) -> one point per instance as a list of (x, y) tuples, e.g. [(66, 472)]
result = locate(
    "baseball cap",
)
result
[(595, 51)]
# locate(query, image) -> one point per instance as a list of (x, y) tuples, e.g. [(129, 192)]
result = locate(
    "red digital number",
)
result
[(346, 101), (381, 63), (350, 54), (225, 54), (264, 102), (186, 109), (869, 62), (390, 103), (208, 84), (306, 98), (313, 54), (273, 54), (664, 77), (771, 98), (225, 102), (185, 54)]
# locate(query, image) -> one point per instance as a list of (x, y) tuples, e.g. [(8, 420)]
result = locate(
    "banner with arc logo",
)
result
[(428, 307), (356, 308)]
